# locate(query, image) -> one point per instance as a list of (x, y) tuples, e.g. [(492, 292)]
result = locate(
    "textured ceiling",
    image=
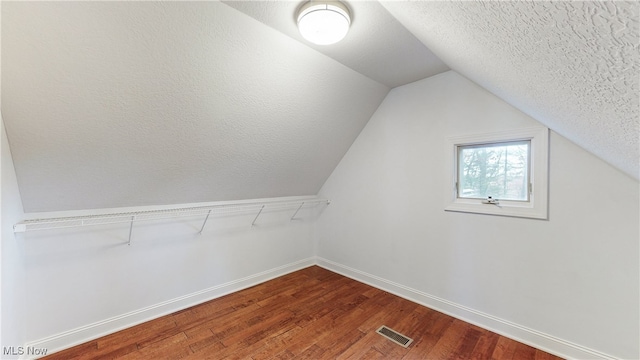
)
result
[(572, 65), (111, 104)]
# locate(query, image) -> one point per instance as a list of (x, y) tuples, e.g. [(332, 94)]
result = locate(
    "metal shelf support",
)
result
[(133, 218), (296, 213), (205, 222), (256, 218), (207, 211)]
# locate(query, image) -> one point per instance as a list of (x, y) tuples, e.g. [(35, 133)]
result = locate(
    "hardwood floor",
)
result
[(310, 314)]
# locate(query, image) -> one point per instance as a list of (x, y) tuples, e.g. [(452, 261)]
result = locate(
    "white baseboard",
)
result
[(537, 339), (93, 331), (511, 330)]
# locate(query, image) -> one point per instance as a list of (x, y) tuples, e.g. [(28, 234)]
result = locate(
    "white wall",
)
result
[(13, 310), (573, 277), (85, 282)]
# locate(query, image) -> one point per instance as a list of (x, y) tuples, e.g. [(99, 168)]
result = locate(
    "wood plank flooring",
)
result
[(309, 314)]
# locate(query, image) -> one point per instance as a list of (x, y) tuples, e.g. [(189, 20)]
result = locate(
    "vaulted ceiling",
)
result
[(572, 65), (110, 104)]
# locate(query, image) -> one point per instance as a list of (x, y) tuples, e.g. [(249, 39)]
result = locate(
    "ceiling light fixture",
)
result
[(323, 22)]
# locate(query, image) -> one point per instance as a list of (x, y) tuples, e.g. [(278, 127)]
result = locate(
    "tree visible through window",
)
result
[(497, 170), (510, 166)]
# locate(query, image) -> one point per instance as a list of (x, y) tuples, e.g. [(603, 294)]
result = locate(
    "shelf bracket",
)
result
[(131, 229), (146, 215), (205, 221), (296, 213), (256, 218)]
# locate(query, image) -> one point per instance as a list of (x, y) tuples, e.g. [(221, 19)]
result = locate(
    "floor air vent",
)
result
[(394, 336)]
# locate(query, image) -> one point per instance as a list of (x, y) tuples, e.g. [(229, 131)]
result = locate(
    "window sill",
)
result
[(513, 209)]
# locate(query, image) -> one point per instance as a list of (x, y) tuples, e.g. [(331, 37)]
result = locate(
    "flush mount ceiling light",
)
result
[(323, 22)]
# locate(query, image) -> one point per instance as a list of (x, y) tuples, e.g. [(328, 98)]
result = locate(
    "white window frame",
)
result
[(536, 207)]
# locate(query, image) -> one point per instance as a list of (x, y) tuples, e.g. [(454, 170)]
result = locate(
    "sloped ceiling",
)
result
[(572, 65), (377, 45), (110, 104)]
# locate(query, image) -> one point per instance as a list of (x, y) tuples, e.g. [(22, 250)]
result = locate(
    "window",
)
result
[(500, 173), (500, 170)]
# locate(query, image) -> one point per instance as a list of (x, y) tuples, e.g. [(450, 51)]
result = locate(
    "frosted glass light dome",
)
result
[(323, 22)]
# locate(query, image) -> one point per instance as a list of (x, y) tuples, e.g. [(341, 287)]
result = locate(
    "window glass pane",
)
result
[(499, 170)]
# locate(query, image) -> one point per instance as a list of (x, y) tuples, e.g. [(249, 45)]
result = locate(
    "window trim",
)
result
[(536, 207)]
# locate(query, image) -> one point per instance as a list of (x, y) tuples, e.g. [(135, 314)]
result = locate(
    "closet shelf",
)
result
[(131, 217)]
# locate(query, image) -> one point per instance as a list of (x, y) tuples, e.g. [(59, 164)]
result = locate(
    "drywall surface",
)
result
[(13, 309), (377, 45), (85, 282), (573, 277), (134, 103), (572, 65)]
